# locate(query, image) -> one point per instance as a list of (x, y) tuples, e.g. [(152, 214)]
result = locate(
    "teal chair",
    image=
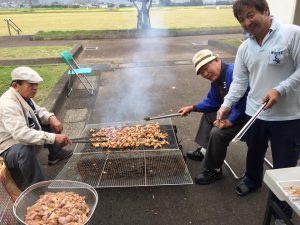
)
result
[(77, 71)]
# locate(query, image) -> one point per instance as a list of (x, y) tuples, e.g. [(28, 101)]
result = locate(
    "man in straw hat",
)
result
[(24, 125), (214, 135)]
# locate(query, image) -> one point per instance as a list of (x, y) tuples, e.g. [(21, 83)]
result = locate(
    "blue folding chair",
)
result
[(75, 70)]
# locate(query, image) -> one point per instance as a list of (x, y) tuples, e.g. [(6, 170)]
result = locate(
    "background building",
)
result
[(287, 11)]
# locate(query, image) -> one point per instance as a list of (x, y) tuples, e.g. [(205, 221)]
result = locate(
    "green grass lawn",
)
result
[(123, 19), (32, 52), (232, 42), (50, 73)]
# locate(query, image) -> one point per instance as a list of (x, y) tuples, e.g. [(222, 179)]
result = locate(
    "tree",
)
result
[(143, 18)]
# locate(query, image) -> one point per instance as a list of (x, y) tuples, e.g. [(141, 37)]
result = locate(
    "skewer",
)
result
[(87, 137), (161, 117), (89, 141)]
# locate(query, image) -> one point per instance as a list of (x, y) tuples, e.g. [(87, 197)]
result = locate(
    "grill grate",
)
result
[(126, 169), (129, 167)]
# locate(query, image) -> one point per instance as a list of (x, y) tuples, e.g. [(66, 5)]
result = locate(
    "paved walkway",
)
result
[(146, 77)]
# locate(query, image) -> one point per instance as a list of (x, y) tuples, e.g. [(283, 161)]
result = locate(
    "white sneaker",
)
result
[(279, 222)]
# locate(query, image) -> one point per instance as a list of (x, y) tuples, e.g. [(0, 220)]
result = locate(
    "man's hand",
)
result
[(222, 124), (55, 124), (184, 111), (272, 97), (62, 139), (223, 113)]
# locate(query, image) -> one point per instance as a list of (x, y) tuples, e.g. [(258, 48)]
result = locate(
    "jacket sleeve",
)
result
[(42, 113), (210, 104), (14, 122)]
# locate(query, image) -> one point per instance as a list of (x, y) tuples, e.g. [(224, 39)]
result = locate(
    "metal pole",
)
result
[(8, 27), (232, 171), (268, 162)]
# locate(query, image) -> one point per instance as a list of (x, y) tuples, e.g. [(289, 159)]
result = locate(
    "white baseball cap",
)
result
[(26, 73)]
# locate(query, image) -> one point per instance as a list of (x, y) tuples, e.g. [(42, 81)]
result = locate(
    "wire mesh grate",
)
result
[(141, 166), (127, 169), (166, 168)]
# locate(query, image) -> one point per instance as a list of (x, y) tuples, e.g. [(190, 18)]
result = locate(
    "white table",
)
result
[(272, 179)]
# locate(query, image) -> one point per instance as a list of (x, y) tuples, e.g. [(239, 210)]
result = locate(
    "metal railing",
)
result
[(12, 25)]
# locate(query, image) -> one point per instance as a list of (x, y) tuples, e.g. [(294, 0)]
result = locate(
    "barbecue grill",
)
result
[(140, 166)]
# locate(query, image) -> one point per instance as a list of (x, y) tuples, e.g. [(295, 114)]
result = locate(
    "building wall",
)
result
[(284, 10), (297, 14)]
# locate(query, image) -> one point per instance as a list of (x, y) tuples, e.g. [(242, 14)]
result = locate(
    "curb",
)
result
[(119, 34)]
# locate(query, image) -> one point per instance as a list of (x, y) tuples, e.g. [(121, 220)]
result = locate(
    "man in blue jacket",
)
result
[(214, 135)]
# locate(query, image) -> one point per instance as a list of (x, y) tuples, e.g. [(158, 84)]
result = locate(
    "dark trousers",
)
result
[(285, 141), (284, 138), (22, 159), (215, 140)]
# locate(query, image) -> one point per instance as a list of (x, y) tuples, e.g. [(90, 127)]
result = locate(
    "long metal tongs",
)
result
[(241, 134), (248, 124), (88, 139), (162, 117)]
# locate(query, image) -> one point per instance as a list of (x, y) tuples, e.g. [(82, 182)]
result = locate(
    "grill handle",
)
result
[(162, 117)]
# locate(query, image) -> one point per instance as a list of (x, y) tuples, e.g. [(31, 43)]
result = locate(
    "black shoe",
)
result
[(208, 176), (63, 154), (195, 155)]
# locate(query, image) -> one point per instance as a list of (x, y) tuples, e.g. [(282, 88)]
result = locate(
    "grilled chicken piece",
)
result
[(149, 135)]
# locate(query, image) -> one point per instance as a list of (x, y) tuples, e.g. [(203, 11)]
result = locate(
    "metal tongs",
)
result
[(248, 124), (88, 139), (162, 117)]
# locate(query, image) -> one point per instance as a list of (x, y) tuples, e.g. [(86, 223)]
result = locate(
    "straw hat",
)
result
[(203, 57), (26, 73)]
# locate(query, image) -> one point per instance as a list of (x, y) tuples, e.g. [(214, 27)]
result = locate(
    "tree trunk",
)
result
[(30, 4), (143, 18)]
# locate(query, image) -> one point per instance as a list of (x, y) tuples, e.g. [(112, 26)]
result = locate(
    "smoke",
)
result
[(138, 85)]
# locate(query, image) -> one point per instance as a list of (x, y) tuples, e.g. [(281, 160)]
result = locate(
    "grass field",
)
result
[(32, 52), (82, 19), (233, 42), (50, 73)]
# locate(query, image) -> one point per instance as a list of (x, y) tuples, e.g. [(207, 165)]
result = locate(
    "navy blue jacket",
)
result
[(213, 101)]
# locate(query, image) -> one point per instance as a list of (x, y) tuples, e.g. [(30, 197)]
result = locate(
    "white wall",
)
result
[(284, 10)]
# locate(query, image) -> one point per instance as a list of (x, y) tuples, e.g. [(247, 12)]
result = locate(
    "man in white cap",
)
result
[(214, 135), (24, 125)]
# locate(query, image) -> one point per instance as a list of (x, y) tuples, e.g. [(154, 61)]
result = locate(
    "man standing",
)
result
[(24, 125), (214, 135), (269, 60)]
